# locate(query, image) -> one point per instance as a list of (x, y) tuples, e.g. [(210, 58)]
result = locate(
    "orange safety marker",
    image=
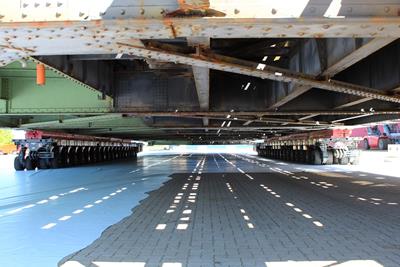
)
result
[(40, 74)]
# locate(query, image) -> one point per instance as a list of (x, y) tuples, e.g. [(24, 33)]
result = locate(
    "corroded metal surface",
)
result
[(100, 36), (298, 62)]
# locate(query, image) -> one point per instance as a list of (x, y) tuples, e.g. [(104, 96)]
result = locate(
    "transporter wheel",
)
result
[(383, 143), (316, 157), (70, 156), (366, 144), (85, 157), (105, 153), (296, 156), (91, 155), (355, 161), (110, 153), (115, 152), (307, 156), (98, 154), (303, 156), (63, 157), (30, 164), (43, 164), (344, 161), (18, 166), (54, 163), (329, 161)]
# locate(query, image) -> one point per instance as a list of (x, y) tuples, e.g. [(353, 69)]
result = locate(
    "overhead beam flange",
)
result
[(347, 61), (201, 77), (229, 64)]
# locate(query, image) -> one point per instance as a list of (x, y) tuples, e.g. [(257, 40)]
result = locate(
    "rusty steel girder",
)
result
[(228, 64), (100, 36)]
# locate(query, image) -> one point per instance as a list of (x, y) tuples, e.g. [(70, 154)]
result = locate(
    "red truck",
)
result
[(45, 150), (378, 136)]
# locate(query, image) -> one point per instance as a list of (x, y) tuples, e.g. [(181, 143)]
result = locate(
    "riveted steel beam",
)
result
[(255, 114), (347, 61), (60, 95), (365, 99), (228, 64), (98, 36), (66, 122), (27, 10)]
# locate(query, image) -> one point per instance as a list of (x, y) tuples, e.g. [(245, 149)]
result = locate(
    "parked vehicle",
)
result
[(54, 150), (333, 146), (378, 136)]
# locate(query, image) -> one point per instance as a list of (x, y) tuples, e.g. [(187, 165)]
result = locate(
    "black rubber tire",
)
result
[(317, 157), (78, 156), (63, 158), (344, 161), (329, 161), (55, 163), (18, 166), (30, 164), (366, 144), (383, 144), (43, 164)]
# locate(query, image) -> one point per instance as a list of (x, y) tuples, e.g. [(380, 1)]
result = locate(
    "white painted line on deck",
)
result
[(117, 264), (49, 226), (64, 218)]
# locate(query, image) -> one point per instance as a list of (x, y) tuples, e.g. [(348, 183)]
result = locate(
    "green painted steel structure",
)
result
[(21, 95), (62, 104)]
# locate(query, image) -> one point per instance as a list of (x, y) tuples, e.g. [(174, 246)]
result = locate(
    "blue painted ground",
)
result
[(47, 214)]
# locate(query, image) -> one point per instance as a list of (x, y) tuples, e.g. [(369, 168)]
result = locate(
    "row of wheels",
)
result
[(310, 156), (383, 144), (68, 156)]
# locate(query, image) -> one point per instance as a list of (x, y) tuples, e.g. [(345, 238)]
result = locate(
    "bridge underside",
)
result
[(175, 76)]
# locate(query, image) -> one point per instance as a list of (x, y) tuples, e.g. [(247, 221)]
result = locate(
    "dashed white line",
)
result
[(48, 226)]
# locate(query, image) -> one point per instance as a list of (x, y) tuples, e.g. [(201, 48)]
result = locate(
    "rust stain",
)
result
[(98, 23), (195, 9), (173, 30), (39, 24)]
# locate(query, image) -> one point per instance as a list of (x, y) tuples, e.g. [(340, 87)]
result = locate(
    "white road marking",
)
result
[(77, 211), (64, 218), (182, 226), (161, 226), (171, 264), (48, 226), (117, 264)]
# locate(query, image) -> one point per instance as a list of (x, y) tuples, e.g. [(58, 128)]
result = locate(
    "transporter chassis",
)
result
[(332, 150), (59, 153)]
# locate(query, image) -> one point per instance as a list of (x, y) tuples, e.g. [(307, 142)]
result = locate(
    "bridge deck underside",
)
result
[(200, 71)]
